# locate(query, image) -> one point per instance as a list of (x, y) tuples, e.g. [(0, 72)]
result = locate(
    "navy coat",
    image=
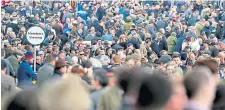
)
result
[(157, 47)]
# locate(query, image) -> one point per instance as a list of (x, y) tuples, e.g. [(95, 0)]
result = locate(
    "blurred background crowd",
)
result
[(114, 55)]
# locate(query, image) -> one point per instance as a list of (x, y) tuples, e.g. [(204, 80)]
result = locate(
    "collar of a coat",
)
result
[(48, 64), (59, 73), (24, 61)]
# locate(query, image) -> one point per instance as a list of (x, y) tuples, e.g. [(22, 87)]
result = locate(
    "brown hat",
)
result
[(116, 59), (60, 63)]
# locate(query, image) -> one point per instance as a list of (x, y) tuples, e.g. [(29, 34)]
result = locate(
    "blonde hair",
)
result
[(170, 64)]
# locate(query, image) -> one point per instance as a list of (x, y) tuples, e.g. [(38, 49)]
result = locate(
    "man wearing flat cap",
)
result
[(60, 68)]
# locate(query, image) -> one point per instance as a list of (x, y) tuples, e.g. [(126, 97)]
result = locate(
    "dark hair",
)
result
[(127, 77), (190, 63), (101, 76), (150, 65), (219, 98), (157, 88), (22, 102)]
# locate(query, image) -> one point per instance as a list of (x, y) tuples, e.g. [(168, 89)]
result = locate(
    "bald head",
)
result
[(207, 24)]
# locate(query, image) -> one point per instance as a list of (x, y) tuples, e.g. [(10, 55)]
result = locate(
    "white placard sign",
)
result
[(35, 35)]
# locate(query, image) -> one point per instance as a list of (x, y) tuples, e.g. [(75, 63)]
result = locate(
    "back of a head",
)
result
[(212, 64), (50, 58), (65, 94), (129, 79), (24, 100), (195, 79), (219, 98), (101, 76), (155, 92), (86, 64)]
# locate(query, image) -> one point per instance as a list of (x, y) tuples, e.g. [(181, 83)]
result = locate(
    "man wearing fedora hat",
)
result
[(60, 68), (25, 71)]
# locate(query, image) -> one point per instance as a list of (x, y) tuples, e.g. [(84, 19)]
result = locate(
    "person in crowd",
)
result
[(25, 71), (196, 81), (99, 82), (90, 36), (14, 60), (170, 68), (207, 29), (62, 55), (111, 96), (21, 101), (8, 85), (47, 70), (171, 42), (57, 27), (107, 36), (159, 44), (73, 95), (178, 98), (147, 87), (9, 68), (48, 39), (116, 61), (60, 68), (219, 97), (212, 64), (167, 38), (38, 63)]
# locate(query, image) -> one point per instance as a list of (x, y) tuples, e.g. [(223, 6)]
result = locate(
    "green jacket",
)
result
[(171, 42), (110, 99), (14, 62), (127, 26)]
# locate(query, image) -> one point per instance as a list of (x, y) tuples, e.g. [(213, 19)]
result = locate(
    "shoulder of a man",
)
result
[(8, 79), (46, 67)]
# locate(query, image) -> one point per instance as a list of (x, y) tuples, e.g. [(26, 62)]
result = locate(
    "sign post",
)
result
[(35, 35)]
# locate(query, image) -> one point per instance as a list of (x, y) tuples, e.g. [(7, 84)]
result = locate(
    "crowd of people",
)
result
[(114, 55)]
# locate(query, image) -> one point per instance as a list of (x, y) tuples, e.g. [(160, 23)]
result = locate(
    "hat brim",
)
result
[(28, 58), (133, 29), (60, 66)]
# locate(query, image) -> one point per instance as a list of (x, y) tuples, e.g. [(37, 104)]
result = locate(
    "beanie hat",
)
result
[(28, 55)]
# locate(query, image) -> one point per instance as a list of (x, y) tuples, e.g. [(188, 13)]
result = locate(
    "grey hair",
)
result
[(95, 62), (65, 94)]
